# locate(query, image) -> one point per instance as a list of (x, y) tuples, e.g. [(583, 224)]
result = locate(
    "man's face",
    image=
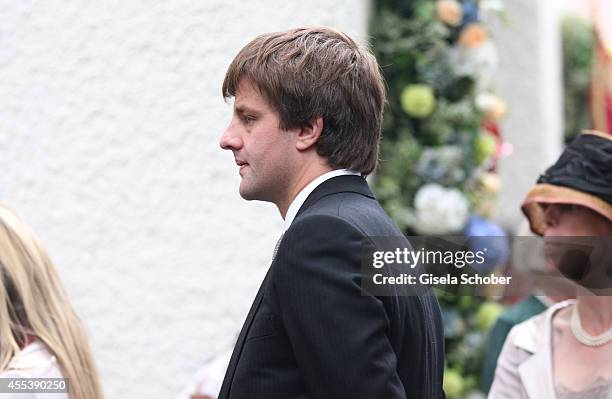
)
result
[(262, 150)]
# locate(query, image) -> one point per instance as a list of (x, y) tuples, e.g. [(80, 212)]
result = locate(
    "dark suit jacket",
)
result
[(313, 333)]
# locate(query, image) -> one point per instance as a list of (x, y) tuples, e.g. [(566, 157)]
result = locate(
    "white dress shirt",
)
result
[(34, 361), (299, 199)]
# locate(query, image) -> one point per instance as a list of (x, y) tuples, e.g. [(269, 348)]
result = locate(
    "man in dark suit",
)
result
[(307, 119)]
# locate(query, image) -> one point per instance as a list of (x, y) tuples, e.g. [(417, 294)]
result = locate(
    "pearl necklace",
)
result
[(584, 337)]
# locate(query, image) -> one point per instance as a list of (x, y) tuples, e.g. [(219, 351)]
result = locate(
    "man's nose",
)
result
[(230, 140)]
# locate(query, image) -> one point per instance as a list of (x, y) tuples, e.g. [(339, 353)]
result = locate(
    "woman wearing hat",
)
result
[(566, 352)]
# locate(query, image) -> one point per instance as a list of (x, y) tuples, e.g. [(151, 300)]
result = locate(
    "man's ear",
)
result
[(309, 133)]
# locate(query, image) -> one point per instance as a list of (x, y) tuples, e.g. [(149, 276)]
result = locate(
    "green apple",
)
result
[(485, 146), (453, 384), (418, 100), (487, 314)]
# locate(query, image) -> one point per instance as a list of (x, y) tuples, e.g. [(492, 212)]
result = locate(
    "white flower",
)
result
[(440, 210), (492, 5), (491, 10), (480, 62), (484, 101)]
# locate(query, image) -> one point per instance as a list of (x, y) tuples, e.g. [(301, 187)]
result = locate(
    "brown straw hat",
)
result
[(581, 176)]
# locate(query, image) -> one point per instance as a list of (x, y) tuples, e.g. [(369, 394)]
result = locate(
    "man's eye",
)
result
[(248, 119)]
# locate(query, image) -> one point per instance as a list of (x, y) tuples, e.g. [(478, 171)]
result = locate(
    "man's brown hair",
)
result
[(305, 73)]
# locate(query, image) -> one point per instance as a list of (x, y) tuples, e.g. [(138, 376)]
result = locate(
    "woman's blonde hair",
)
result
[(33, 303)]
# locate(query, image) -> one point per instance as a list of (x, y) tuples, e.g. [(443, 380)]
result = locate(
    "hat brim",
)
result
[(552, 194)]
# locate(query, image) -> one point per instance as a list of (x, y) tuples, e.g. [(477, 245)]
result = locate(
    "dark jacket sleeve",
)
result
[(338, 333)]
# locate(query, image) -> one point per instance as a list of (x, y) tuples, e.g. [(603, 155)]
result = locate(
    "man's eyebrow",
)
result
[(241, 109)]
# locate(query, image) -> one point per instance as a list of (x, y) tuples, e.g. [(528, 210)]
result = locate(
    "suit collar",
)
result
[(336, 185), (298, 201)]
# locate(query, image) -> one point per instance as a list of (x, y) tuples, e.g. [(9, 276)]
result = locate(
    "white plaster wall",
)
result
[(110, 114), (529, 80)]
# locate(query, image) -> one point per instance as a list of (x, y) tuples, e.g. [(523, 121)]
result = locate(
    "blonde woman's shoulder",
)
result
[(34, 361)]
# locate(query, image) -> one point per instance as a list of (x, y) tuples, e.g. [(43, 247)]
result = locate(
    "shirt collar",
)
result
[(34, 355), (298, 201)]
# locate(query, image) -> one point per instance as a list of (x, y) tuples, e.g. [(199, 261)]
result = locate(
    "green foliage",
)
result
[(431, 104), (578, 40), (434, 133)]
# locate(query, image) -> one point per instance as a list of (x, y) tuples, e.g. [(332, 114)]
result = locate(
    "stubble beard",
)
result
[(268, 189)]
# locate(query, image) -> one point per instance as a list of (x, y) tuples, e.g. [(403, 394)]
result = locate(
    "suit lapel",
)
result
[(536, 372), (339, 184), (537, 365), (231, 368)]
